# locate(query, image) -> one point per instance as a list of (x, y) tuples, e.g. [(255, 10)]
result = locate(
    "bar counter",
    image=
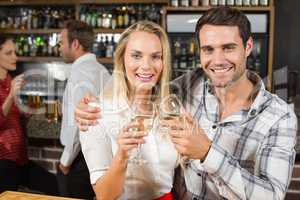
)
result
[(10, 195)]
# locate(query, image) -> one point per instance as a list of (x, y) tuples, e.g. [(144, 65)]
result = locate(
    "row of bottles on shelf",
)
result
[(186, 3), (35, 18), (118, 16), (37, 45), (105, 45), (48, 45), (185, 54)]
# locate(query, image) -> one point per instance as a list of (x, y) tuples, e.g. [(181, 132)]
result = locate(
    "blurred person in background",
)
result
[(87, 76), (15, 168)]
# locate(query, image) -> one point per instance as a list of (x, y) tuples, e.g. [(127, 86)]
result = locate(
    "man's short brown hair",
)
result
[(225, 16), (82, 32)]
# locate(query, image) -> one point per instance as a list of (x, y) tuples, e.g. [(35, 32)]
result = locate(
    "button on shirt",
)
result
[(99, 146), (252, 152), (87, 76)]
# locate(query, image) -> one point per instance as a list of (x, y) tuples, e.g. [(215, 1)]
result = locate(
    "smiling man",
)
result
[(239, 137)]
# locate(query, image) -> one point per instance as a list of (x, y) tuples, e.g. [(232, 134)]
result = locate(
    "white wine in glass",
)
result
[(143, 113), (170, 109)]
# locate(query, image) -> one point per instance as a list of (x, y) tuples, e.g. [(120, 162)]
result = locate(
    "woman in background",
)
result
[(15, 168)]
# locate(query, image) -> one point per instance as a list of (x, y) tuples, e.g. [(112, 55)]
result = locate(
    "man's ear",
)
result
[(249, 46), (75, 44)]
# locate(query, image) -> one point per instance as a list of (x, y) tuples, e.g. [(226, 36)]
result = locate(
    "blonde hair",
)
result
[(120, 82)]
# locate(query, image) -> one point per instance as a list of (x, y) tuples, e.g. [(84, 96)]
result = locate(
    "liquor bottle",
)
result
[(109, 18), (70, 14), (264, 2), (55, 19), (61, 18), (213, 2), (132, 15), (56, 50), (106, 41), (94, 17), (184, 3), (19, 46), (47, 22), (195, 3), (246, 2), (191, 60), (205, 2), (175, 3), (183, 56), (254, 2), (32, 47), (230, 2), (39, 43), (41, 19), (126, 16), (24, 18), (96, 45), (238, 2), (44, 44), (120, 18), (109, 47), (177, 48), (17, 21), (140, 15), (222, 2), (83, 10), (100, 18), (25, 47), (114, 24), (147, 13), (105, 20), (3, 24), (29, 21), (102, 50), (88, 18), (50, 47)]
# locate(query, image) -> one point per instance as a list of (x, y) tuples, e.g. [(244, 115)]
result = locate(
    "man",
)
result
[(239, 138), (87, 76)]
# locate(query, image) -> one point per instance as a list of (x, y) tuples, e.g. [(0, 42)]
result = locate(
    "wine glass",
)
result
[(143, 114), (169, 109)]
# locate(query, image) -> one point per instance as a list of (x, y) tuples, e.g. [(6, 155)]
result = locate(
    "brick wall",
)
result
[(45, 152)]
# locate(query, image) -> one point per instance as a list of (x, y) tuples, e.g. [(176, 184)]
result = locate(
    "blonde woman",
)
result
[(141, 71)]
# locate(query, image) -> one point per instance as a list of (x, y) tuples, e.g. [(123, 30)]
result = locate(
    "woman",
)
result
[(142, 70), (15, 169)]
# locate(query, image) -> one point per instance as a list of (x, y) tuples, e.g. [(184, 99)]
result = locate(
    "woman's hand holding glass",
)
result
[(128, 141), (171, 119), (188, 137), (143, 114)]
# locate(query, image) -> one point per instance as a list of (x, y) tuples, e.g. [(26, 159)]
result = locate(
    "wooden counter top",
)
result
[(9, 195)]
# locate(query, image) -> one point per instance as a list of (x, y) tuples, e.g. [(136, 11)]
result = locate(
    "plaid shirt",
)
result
[(252, 152)]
